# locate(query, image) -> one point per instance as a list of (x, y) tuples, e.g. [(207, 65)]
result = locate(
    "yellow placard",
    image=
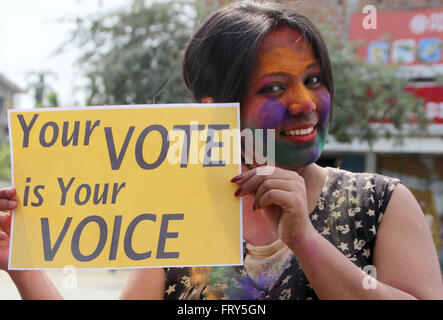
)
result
[(125, 186)]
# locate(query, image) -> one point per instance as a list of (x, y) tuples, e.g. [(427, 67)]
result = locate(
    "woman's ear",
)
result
[(207, 99)]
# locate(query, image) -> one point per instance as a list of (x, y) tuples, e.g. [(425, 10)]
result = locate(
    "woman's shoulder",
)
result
[(361, 182), (350, 210), (358, 194)]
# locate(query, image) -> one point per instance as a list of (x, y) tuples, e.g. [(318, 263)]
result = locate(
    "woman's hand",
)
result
[(282, 197), (7, 203)]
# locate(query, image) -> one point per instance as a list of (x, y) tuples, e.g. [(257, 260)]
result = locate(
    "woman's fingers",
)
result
[(250, 181), (6, 199), (7, 204), (5, 222), (7, 193), (269, 184), (240, 179), (3, 236), (274, 196), (250, 173)]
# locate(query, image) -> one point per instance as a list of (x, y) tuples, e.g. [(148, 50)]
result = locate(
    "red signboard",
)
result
[(400, 37), (433, 100)]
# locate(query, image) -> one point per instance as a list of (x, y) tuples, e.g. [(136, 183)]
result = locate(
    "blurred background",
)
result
[(388, 72)]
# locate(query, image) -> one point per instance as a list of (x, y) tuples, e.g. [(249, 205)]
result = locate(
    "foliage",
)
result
[(5, 161), (44, 96), (132, 56), (366, 94)]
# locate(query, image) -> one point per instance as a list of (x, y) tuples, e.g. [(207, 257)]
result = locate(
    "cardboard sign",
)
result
[(125, 186)]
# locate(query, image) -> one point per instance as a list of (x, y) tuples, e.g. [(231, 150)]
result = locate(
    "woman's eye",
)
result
[(312, 80), (274, 88)]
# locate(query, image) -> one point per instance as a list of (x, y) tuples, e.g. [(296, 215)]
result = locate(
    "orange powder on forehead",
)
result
[(283, 60), (283, 51)]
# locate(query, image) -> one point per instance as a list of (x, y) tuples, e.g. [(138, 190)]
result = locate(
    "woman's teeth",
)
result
[(301, 132)]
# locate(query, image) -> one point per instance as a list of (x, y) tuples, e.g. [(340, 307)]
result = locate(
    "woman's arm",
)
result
[(405, 254), (31, 284), (404, 257), (146, 284), (34, 285)]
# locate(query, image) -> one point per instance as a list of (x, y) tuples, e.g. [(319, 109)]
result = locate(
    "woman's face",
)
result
[(286, 93)]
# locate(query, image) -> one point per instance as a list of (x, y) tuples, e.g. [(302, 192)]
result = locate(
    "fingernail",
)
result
[(12, 203), (235, 179), (237, 193)]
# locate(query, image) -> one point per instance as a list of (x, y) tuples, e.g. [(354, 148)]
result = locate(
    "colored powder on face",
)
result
[(272, 114), (297, 156), (282, 52), (325, 111)]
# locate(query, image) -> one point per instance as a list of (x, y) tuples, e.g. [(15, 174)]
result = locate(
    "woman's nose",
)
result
[(301, 102), (302, 107)]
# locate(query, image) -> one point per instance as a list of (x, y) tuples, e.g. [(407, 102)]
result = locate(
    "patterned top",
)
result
[(348, 213)]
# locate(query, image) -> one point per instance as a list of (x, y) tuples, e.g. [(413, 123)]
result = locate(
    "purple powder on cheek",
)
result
[(272, 114), (326, 106)]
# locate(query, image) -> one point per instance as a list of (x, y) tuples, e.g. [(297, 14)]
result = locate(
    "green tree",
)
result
[(132, 56), (5, 161), (366, 94), (44, 96)]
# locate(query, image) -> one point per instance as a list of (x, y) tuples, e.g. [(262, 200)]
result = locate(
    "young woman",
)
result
[(310, 232)]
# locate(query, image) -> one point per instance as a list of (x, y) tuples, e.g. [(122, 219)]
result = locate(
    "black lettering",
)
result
[(117, 160), (75, 244), (116, 190), (164, 234), (64, 189), (140, 142), (49, 253), (26, 193), (89, 129), (104, 195), (26, 128), (187, 141), (77, 199), (43, 134), (129, 233), (74, 136), (211, 144), (115, 237), (38, 196)]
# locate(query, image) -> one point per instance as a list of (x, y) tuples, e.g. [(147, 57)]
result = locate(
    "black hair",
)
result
[(218, 59)]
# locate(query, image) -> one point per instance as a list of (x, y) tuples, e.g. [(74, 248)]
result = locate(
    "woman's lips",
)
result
[(301, 135)]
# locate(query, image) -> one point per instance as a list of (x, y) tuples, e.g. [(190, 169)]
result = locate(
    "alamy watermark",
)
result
[(69, 281), (218, 145), (370, 280)]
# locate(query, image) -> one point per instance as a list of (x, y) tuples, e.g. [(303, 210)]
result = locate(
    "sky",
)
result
[(31, 31)]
